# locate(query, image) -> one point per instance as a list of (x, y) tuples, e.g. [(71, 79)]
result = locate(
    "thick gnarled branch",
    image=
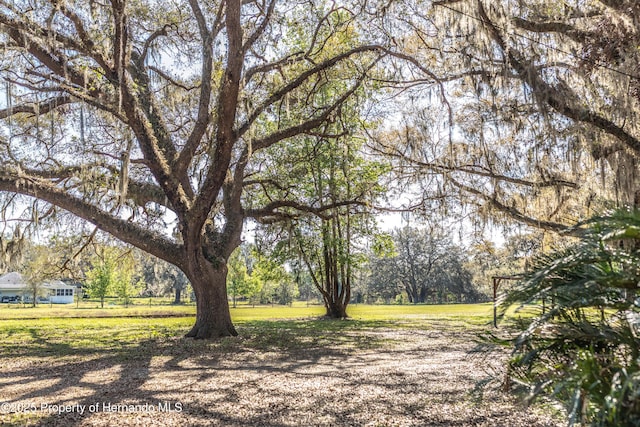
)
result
[(124, 230)]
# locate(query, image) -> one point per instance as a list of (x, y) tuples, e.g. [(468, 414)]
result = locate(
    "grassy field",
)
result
[(140, 308), (67, 329), (91, 308)]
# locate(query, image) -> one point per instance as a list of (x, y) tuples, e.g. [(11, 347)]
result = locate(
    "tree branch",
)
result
[(475, 170), (226, 109), (203, 117), (311, 124), (140, 192), (261, 28), (171, 80), (553, 27), (42, 107), (126, 231), (515, 213), (265, 68), (551, 95), (270, 210), (298, 81)]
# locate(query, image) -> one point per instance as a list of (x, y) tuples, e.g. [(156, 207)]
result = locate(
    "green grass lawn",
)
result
[(140, 307), (245, 312), (67, 330)]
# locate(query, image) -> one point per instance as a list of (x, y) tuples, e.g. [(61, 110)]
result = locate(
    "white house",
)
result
[(60, 293), (13, 287)]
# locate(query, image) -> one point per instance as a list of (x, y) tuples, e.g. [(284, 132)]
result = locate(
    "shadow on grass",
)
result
[(109, 366), (276, 373)]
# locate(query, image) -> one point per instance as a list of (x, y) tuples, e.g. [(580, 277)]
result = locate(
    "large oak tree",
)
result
[(140, 115)]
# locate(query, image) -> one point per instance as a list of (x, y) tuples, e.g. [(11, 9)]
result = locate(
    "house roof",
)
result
[(12, 280), (57, 284), (12, 277), (15, 280)]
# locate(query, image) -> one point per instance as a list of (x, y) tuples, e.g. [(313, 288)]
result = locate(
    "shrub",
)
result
[(584, 350)]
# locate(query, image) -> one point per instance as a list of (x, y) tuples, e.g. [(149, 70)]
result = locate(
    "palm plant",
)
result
[(584, 350)]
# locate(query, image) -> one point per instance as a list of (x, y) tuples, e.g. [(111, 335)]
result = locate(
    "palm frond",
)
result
[(584, 350)]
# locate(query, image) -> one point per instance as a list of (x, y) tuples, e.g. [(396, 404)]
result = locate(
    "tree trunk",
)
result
[(213, 318), (336, 310), (335, 301), (177, 299), (423, 295), (410, 295)]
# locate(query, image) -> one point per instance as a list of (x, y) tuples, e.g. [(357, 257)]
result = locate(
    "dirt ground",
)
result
[(391, 377)]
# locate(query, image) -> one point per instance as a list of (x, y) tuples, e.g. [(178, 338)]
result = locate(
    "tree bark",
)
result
[(336, 310), (213, 319), (423, 294), (410, 295), (178, 297)]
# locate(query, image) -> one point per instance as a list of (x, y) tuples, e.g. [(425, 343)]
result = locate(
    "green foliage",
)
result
[(239, 282), (113, 272), (584, 351), (383, 246), (275, 284), (100, 280), (424, 263), (159, 277), (335, 179), (126, 287), (327, 173)]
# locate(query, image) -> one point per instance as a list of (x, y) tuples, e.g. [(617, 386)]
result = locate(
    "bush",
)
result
[(584, 350)]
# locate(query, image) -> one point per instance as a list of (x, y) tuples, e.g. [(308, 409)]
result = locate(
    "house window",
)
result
[(59, 292), (68, 292)]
